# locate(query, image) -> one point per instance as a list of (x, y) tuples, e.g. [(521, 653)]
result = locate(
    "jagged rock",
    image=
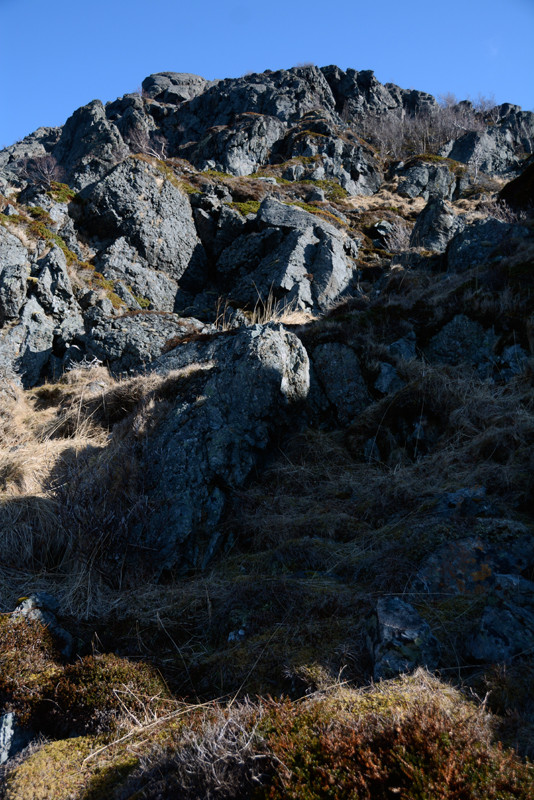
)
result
[(402, 640), (37, 144), (53, 288), (464, 341), (240, 385), (480, 243), (174, 87), (435, 226), (332, 154), (339, 374), (142, 285), (132, 342), (284, 94), (357, 93), (89, 145), (427, 179), (14, 271), (466, 502), (295, 256), (239, 149), (137, 202)]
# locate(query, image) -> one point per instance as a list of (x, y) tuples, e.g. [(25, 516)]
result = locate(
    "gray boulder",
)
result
[(137, 202), (490, 151), (284, 94), (337, 155), (401, 640), (53, 288), (174, 87), (13, 737), (43, 607), (435, 226), (359, 93), (37, 144), (295, 256), (404, 348), (507, 625), (388, 379), (471, 566), (237, 388), (131, 342), (427, 179), (338, 372)]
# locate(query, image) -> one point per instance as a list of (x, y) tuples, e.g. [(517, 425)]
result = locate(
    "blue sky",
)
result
[(58, 55)]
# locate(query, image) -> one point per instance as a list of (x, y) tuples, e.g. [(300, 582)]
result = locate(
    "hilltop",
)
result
[(267, 432)]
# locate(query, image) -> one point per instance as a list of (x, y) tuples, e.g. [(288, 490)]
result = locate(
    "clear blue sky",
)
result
[(56, 55)]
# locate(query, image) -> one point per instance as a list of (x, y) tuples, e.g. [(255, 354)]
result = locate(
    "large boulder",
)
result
[(481, 242), (173, 87), (132, 342), (293, 256), (490, 151), (137, 202), (26, 347), (427, 179), (401, 640), (319, 150), (435, 226), (89, 145), (237, 389), (284, 94)]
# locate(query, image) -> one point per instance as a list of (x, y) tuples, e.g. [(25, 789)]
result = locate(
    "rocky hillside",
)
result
[(267, 430)]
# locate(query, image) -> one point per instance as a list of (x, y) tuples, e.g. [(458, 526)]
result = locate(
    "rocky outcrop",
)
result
[(463, 341), (236, 386)]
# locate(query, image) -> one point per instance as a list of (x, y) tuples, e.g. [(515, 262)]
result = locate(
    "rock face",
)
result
[(238, 386)]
